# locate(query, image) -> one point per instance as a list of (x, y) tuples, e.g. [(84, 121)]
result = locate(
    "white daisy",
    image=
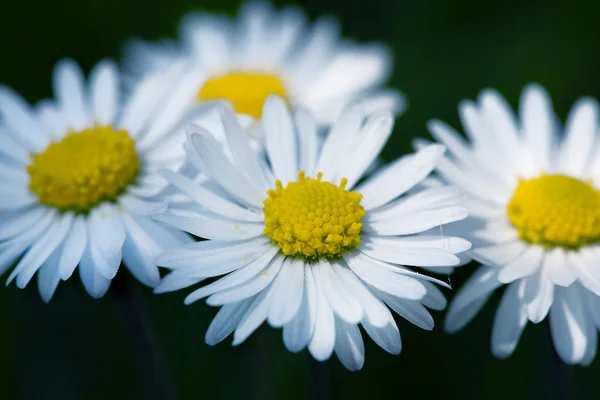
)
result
[(301, 244), (534, 195), (268, 52), (78, 179)]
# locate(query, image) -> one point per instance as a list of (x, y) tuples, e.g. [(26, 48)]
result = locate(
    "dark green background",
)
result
[(77, 347)]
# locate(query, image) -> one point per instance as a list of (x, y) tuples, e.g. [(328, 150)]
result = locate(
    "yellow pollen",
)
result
[(247, 92), (313, 219), (556, 211), (84, 169)]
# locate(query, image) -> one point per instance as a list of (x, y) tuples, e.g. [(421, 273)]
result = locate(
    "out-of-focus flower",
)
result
[(268, 52), (534, 197), (304, 245), (78, 177)]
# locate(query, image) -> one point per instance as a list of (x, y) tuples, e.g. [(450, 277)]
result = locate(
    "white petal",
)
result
[(242, 151), (557, 268), (393, 283), (470, 298), (371, 139), (138, 206), (23, 126), (538, 295), (221, 168), (298, 332), (287, 296), (568, 325), (19, 221), (411, 310), (49, 276), (69, 86), (41, 250), (399, 177), (387, 337), (537, 115), (226, 320), (93, 281), (104, 89), (375, 312), (280, 138), (308, 141), (106, 230), (500, 254), (416, 256), (73, 248), (524, 265), (349, 346), (139, 250), (416, 222), (210, 201), (581, 129), (322, 343), (509, 323), (14, 199), (174, 281), (585, 264), (209, 228), (255, 316), (344, 304), (249, 288), (237, 277), (434, 298)]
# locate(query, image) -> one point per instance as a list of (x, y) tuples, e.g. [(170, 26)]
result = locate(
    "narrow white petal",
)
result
[(411, 310), (69, 90), (209, 200), (557, 268), (581, 129), (298, 332), (349, 346), (19, 221), (280, 138), (73, 247), (104, 89), (211, 228), (471, 297), (500, 254), (49, 276), (536, 116), (139, 250), (417, 222), (568, 325), (106, 230), (93, 281), (237, 277), (399, 177), (509, 323), (19, 118), (393, 283), (308, 141), (538, 296), (343, 302), (226, 320), (524, 265), (249, 288), (416, 256), (387, 337), (322, 343), (287, 296), (255, 316)]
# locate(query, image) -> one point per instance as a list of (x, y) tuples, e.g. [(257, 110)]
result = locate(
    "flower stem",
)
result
[(142, 341), (318, 380)]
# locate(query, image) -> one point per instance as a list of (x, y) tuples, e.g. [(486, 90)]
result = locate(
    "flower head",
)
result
[(534, 194), (303, 241)]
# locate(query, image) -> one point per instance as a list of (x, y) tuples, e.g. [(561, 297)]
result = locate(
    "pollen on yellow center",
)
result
[(556, 211), (247, 92), (313, 219), (84, 169)]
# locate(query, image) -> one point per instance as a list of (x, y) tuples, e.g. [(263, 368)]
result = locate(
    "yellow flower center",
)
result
[(247, 92), (556, 211), (84, 169), (313, 219)]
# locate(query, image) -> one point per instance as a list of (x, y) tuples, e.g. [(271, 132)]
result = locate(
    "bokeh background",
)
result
[(132, 344)]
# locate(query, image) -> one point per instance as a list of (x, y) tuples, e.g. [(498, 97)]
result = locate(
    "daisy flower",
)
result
[(535, 200), (302, 242), (78, 177), (267, 52)]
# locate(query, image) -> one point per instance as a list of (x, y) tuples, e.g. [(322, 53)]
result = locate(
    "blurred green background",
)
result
[(79, 348)]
